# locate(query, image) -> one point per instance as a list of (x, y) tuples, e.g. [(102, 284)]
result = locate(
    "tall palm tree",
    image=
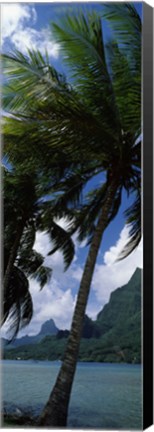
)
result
[(109, 81), (95, 123)]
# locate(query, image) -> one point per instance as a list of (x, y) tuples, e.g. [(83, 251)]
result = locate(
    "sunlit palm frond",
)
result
[(81, 38), (30, 75)]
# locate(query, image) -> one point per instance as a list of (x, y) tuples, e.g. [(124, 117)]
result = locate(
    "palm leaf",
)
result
[(17, 302), (85, 218), (30, 75), (133, 214), (81, 38), (62, 241), (116, 205), (42, 275), (29, 261), (126, 26), (127, 87)]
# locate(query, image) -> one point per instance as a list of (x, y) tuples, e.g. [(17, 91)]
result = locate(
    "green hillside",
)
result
[(124, 303), (114, 337)]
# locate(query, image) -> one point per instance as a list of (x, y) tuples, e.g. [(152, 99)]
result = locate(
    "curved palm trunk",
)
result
[(56, 409)]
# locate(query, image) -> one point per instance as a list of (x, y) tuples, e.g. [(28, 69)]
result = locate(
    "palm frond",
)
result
[(126, 26), (116, 205), (30, 75), (17, 302), (81, 38), (133, 214), (62, 241), (42, 275), (85, 218), (29, 261), (127, 87), (69, 192)]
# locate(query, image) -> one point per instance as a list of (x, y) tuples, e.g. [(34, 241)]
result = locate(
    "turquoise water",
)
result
[(105, 396)]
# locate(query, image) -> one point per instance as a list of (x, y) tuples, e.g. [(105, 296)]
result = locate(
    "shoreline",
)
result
[(20, 419)]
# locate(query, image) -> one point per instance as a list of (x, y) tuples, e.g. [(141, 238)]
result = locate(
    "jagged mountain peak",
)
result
[(48, 328)]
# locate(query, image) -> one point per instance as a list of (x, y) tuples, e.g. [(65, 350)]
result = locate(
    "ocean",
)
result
[(104, 395)]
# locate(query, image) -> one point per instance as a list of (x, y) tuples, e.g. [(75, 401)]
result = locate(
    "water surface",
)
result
[(105, 396)]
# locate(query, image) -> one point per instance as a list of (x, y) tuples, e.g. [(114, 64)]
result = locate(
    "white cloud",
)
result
[(14, 17), (30, 38), (112, 274), (56, 300), (77, 273), (111, 256), (52, 302), (42, 243), (17, 21)]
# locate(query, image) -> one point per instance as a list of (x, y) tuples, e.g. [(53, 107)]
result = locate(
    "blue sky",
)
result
[(27, 25)]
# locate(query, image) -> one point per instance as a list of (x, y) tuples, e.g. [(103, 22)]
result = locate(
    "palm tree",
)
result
[(95, 123), (109, 81), (58, 161), (24, 213)]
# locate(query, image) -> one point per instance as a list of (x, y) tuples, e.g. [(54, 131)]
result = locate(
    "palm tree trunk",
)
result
[(56, 409), (13, 255)]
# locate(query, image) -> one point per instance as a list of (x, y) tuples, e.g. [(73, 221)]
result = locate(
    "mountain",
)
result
[(115, 336), (124, 303), (47, 329), (119, 323), (90, 330)]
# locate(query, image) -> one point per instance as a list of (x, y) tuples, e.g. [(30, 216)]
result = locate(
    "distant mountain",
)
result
[(90, 330), (48, 328), (115, 336)]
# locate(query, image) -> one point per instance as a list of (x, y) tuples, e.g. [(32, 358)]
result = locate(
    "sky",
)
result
[(26, 25)]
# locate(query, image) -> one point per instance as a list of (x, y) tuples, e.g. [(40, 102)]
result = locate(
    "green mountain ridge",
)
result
[(115, 336), (48, 328), (124, 302)]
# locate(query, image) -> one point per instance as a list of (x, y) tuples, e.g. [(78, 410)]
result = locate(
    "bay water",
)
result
[(104, 396)]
